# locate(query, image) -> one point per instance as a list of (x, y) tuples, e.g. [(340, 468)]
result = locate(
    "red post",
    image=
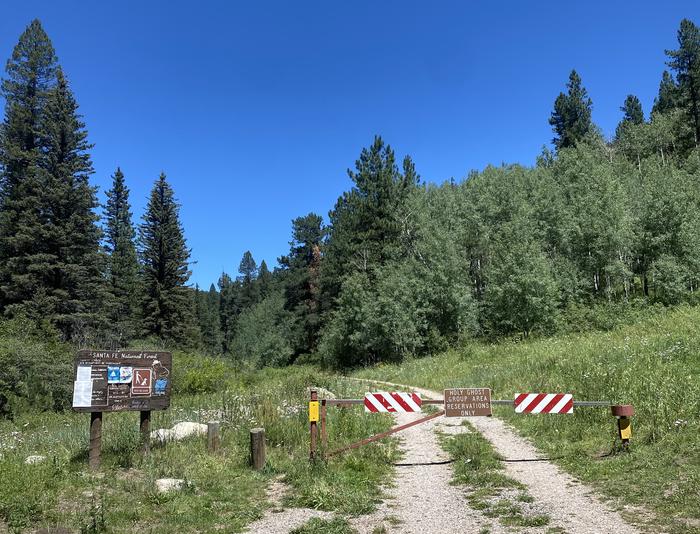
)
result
[(313, 428)]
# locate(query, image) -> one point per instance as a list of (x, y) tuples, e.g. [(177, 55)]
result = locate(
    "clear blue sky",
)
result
[(256, 109)]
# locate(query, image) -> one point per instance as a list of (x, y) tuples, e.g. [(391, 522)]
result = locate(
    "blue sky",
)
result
[(256, 109)]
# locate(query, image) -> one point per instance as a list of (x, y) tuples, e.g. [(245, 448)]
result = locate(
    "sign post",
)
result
[(467, 402), (95, 448), (110, 381)]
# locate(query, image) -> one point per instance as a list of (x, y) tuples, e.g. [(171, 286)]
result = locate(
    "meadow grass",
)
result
[(654, 365), (221, 491)]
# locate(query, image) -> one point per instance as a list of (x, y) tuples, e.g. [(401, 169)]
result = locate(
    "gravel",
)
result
[(422, 499)]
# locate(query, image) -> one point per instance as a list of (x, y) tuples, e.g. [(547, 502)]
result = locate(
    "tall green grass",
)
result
[(222, 492), (653, 364)]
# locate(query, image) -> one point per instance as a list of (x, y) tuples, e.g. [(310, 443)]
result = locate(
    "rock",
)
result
[(179, 431), (323, 393), (166, 485), (34, 459)]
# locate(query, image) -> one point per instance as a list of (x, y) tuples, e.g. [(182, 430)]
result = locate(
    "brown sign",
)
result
[(467, 402), (107, 381)]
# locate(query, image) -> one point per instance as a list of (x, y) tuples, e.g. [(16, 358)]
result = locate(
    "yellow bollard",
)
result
[(623, 412)]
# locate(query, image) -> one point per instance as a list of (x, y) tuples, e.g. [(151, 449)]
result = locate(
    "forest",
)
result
[(597, 231)]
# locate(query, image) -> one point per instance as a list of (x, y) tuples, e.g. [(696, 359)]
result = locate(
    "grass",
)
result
[(654, 365), (479, 467), (222, 492), (337, 525)]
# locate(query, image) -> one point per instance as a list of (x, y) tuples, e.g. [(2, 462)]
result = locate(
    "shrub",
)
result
[(195, 373), (36, 369)]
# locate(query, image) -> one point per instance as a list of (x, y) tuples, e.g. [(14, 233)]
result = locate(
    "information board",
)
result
[(110, 381), (467, 402)]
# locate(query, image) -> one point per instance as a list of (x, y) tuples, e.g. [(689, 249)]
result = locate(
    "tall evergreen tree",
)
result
[(686, 62), (369, 223), (264, 280), (571, 118), (31, 73), (50, 265), (632, 114), (165, 264), (208, 319), (122, 264), (248, 274), (72, 265), (228, 310), (302, 282), (667, 99)]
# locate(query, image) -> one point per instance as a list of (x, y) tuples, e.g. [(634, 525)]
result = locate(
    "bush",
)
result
[(36, 369), (263, 334), (195, 373)]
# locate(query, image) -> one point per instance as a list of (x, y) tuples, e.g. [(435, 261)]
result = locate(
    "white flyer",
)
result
[(82, 393), (84, 373)]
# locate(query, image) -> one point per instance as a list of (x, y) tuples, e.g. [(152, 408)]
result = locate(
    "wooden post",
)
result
[(94, 451), (213, 437), (145, 429), (324, 434), (257, 448)]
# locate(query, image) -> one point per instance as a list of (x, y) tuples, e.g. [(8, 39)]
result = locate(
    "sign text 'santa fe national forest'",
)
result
[(109, 381)]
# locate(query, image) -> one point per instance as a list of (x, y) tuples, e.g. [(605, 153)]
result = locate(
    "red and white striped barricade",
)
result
[(393, 402), (544, 403)]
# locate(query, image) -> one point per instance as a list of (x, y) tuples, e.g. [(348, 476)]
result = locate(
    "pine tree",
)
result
[(248, 273), (686, 62), (72, 264), (632, 114), (122, 264), (302, 284), (667, 99), (165, 267), (31, 73), (264, 280), (50, 264), (228, 310), (369, 223), (571, 118)]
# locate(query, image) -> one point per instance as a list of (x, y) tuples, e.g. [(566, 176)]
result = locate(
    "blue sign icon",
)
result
[(161, 384), (113, 375)]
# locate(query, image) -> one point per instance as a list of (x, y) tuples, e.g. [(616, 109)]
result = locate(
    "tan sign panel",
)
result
[(467, 402)]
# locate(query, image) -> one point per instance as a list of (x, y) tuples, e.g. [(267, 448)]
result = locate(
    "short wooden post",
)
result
[(94, 451), (324, 434), (213, 437), (257, 448), (145, 429), (313, 428)]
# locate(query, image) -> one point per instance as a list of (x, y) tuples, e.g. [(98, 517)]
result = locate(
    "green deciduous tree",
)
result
[(263, 334)]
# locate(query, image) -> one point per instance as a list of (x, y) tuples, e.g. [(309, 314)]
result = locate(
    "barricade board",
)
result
[(467, 402), (110, 381)]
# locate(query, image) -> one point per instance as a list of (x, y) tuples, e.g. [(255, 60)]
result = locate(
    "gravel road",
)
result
[(423, 500)]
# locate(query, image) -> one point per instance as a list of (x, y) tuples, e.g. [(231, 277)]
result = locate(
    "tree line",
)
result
[(96, 284), (400, 268)]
